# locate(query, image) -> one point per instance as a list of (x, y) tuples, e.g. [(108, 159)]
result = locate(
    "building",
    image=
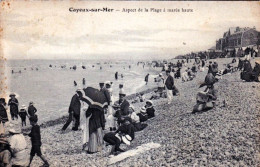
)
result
[(237, 37)]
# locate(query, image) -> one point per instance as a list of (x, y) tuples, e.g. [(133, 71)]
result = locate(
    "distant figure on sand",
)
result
[(74, 111), (116, 75), (161, 86), (13, 103), (83, 81), (122, 76), (146, 79), (169, 84), (75, 83)]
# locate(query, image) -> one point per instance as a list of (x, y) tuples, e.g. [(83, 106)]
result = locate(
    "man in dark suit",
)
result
[(74, 111), (122, 107), (105, 91), (169, 84)]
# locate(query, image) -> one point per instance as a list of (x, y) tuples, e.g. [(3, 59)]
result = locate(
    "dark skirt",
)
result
[(3, 115)]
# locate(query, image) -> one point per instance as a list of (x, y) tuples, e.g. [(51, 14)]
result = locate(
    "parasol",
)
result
[(94, 98)]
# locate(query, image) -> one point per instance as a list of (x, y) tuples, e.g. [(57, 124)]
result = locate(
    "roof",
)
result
[(212, 48)]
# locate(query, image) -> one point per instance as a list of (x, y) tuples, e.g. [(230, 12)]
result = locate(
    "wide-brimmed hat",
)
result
[(122, 92), (127, 139), (31, 102), (143, 110), (15, 128), (12, 94), (149, 101), (160, 74), (23, 107)]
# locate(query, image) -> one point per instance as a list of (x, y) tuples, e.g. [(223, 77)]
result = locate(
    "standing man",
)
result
[(74, 111), (160, 82), (31, 109), (169, 83), (105, 91), (13, 103)]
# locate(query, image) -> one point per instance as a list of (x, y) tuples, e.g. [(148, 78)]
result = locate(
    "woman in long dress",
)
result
[(3, 115), (96, 127)]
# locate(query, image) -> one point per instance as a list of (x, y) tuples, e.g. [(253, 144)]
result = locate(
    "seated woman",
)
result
[(249, 74), (206, 99), (143, 115), (124, 134), (149, 109), (135, 120)]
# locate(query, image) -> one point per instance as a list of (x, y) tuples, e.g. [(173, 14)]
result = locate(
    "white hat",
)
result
[(122, 92), (143, 110), (127, 139), (160, 74), (23, 107), (149, 101)]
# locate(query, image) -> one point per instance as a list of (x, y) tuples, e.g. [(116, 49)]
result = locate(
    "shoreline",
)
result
[(63, 119)]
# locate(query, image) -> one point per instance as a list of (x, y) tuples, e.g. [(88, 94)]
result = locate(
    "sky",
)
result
[(48, 30)]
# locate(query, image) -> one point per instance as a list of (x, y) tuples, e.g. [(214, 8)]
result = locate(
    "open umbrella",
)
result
[(94, 98)]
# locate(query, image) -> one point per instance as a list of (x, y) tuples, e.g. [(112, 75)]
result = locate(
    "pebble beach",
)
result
[(224, 136)]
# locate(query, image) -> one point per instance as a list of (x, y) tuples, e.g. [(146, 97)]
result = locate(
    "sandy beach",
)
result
[(223, 136)]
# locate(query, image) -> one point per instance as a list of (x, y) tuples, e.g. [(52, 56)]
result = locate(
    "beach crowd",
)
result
[(116, 122)]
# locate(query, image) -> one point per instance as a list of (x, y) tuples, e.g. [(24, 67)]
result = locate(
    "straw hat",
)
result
[(122, 92), (108, 83), (127, 139), (143, 110), (15, 128), (23, 107), (149, 101)]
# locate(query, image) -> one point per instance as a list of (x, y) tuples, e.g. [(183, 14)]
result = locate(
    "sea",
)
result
[(51, 88)]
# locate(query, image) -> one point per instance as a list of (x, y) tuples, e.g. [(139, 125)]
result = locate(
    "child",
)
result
[(149, 109), (36, 141), (23, 114)]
